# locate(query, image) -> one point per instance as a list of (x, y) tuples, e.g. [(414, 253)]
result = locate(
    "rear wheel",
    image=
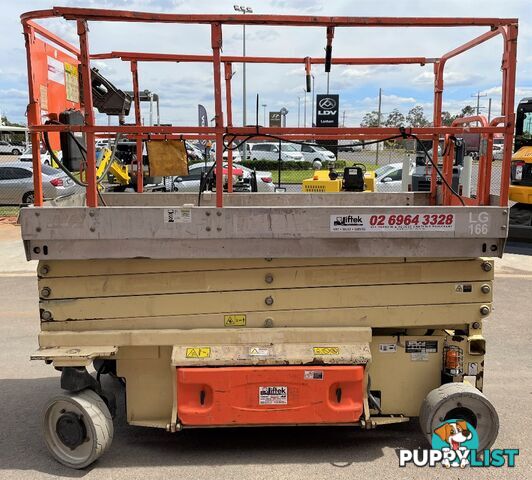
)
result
[(463, 402), (28, 198), (78, 428), (15, 151)]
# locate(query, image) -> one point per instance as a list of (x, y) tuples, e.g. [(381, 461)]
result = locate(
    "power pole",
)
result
[(478, 95), (312, 111), (489, 110), (378, 124), (264, 106), (298, 111), (343, 119)]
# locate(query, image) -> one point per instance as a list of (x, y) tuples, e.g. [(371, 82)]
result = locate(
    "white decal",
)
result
[(395, 222)]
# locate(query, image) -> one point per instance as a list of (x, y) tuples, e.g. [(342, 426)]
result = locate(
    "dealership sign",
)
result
[(327, 109), (275, 119)]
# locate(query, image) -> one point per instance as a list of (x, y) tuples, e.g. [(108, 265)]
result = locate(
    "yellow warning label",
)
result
[(326, 351), (198, 352), (235, 320)]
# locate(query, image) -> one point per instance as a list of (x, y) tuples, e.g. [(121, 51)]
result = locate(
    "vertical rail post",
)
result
[(436, 121), (216, 43), (92, 187), (34, 118), (228, 75), (136, 101), (509, 67)]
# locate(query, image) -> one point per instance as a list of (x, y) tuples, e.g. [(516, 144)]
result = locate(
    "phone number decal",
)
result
[(439, 222)]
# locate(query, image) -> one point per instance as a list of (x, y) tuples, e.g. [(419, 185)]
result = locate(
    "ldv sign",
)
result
[(327, 107)]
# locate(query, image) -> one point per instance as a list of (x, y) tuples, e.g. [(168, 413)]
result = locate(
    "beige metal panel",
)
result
[(205, 337), (262, 278), (456, 315), (262, 248), (149, 386), (287, 199), (207, 223), (337, 353), (82, 268), (404, 382), (73, 356), (247, 301)]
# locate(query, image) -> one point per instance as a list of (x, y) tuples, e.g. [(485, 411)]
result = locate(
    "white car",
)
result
[(498, 151), (10, 149), (312, 153), (27, 156), (241, 179), (236, 154), (389, 178), (270, 151)]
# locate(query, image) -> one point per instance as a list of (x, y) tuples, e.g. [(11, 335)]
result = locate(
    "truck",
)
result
[(354, 309)]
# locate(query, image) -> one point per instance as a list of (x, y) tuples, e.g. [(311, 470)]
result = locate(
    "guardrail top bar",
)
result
[(73, 13)]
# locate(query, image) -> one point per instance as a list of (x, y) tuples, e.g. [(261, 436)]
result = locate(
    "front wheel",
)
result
[(78, 428), (28, 198), (15, 151)]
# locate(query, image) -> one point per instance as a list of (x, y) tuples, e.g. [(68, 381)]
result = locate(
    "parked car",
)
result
[(10, 149), (270, 151), (237, 158), (46, 159), (389, 178), (498, 151), (241, 179), (312, 153), (194, 153), (350, 146), (16, 184)]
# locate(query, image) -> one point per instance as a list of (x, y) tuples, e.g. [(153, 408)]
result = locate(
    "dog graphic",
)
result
[(455, 433)]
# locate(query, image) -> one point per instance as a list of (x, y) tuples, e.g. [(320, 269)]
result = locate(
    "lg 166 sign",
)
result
[(327, 107)]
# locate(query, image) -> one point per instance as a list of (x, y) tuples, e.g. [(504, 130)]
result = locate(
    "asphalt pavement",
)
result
[(251, 453)]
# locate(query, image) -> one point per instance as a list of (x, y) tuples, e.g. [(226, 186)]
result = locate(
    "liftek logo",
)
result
[(349, 221), (455, 444)]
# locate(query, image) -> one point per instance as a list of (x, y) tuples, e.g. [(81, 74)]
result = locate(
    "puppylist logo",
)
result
[(455, 444)]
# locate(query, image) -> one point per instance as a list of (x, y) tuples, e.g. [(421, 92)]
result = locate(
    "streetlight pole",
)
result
[(264, 105), (378, 124), (243, 9), (312, 110), (305, 109), (298, 111)]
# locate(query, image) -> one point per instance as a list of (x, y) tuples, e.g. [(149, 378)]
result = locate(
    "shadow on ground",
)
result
[(22, 447)]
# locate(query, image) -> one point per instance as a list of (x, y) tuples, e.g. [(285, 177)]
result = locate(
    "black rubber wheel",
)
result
[(28, 198), (15, 151), (461, 401)]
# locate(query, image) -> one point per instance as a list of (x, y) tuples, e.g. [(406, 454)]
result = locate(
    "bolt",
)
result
[(45, 269), (486, 266), (91, 213), (208, 229), (505, 212), (484, 310), (38, 229), (268, 278), (37, 250), (208, 214), (268, 323), (92, 229), (46, 315), (219, 213), (485, 288), (476, 325), (268, 301), (45, 292), (219, 229), (503, 227)]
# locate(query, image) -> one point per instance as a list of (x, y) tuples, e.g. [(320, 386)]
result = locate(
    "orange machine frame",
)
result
[(504, 124)]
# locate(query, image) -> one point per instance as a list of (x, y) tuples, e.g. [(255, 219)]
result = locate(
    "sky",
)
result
[(182, 86)]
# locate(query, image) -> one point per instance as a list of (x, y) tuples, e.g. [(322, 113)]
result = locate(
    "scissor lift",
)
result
[(358, 309)]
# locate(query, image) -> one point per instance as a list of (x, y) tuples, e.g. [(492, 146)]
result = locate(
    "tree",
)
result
[(447, 119), (467, 111), (370, 119), (394, 119), (416, 118)]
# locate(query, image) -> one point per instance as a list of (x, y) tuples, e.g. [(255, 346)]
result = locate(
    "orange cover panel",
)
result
[(270, 395)]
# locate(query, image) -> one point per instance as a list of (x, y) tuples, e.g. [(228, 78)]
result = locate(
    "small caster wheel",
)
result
[(463, 402), (78, 428)]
